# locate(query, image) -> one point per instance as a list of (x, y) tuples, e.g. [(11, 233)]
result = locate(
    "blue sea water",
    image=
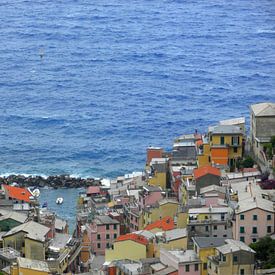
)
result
[(117, 76)]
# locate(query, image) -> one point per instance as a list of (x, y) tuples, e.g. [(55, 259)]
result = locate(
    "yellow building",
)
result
[(226, 144), (157, 172), (204, 155), (164, 208), (29, 239), (25, 266), (234, 257), (175, 239), (205, 247), (130, 246)]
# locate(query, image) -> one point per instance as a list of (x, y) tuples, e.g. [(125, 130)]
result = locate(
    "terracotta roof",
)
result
[(133, 237), (93, 190), (18, 193), (202, 171), (167, 223)]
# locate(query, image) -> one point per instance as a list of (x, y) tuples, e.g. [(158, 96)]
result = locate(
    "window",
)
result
[(222, 217), (268, 217), (255, 217), (235, 259), (242, 272), (235, 149), (187, 268), (98, 245), (254, 240), (225, 227), (269, 229), (242, 239), (98, 236), (107, 227), (223, 258), (196, 267), (115, 236), (224, 235), (222, 140), (254, 230), (192, 228), (204, 266), (242, 217), (206, 228), (107, 236), (215, 227), (115, 226), (235, 141), (206, 217), (241, 229)]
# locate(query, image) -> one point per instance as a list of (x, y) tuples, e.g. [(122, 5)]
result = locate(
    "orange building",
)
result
[(153, 152)]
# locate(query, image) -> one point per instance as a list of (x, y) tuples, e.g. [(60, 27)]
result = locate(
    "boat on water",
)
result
[(59, 200)]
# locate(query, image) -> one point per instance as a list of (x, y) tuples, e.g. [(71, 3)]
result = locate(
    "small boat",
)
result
[(36, 193), (59, 200)]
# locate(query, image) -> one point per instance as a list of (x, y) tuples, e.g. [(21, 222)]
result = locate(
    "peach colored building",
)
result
[(103, 232), (254, 214)]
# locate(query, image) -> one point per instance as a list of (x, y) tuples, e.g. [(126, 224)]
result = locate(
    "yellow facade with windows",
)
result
[(158, 179), (127, 249)]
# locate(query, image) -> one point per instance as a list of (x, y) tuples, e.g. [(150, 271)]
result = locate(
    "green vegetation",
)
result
[(247, 162), (265, 252)]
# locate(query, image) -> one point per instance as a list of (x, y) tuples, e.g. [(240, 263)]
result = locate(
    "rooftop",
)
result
[(93, 190), (175, 234), (18, 193), (234, 246), (33, 264), (204, 210), (19, 217), (33, 229), (263, 109), (205, 242), (104, 219), (132, 237), (167, 223), (225, 129), (205, 170), (211, 188), (181, 256), (9, 253), (233, 121)]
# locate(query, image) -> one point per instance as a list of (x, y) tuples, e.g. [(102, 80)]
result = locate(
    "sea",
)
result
[(87, 86)]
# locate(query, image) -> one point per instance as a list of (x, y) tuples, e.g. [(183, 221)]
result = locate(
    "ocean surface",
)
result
[(86, 86)]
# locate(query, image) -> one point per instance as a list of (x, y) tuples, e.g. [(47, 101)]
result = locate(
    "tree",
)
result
[(272, 141), (265, 251), (248, 162)]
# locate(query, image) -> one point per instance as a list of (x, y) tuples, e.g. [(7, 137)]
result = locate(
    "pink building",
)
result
[(185, 261), (131, 211), (103, 231), (149, 195), (253, 219)]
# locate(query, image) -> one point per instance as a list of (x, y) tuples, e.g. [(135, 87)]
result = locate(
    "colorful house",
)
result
[(226, 144), (130, 246), (234, 257), (30, 239), (206, 176), (103, 231), (158, 172), (153, 152), (170, 240), (205, 247)]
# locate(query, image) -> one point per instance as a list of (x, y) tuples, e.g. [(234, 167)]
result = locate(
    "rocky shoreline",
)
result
[(56, 181)]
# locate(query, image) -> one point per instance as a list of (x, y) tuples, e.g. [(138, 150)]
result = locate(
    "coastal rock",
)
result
[(56, 181)]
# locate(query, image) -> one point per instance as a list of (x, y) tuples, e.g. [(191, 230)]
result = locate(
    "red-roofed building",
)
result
[(93, 191), (165, 224), (17, 194), (206, 176), (133, 237)]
